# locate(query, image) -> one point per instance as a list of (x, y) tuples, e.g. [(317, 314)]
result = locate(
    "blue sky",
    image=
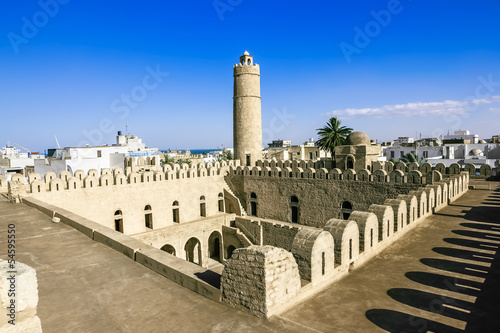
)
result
[(388, 68)]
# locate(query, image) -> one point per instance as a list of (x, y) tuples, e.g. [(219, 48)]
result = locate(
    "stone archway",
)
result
[(215, 246), (169, 249), (193, 251)]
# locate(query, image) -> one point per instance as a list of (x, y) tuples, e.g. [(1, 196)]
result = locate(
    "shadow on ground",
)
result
[(397, 322), (210, 277), (474, 262)]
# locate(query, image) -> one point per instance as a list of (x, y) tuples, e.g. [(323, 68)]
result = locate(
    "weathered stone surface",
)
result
[(314, 252), (261, 285), (25, 296)]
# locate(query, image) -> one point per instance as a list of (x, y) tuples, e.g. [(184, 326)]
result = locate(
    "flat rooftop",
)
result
[(442, 276)]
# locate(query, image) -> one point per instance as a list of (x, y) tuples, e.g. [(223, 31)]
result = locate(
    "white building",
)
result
[(462, 152), (13, 161), (463, 135), (94, 157)]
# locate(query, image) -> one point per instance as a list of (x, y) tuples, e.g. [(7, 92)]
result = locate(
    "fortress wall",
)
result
[(175, 269), (320, 260), (100, 203), (179, 234), (319, 200)]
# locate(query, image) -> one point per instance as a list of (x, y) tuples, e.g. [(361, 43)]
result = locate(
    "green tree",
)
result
[(332, 135), (185, 160), (410, 158), (167, 159), (225, 156)]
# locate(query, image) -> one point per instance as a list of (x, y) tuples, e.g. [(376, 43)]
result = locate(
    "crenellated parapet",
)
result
[(116, 177), (408, 170), (314, 170)]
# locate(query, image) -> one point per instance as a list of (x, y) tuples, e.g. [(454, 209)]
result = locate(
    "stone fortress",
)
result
[(258, 235)]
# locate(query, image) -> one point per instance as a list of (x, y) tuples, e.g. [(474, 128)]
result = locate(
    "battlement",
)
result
[(317, 170), (246, 69), (116, 177)]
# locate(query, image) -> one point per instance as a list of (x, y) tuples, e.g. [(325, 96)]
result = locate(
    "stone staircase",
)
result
[(228, 189), (240, 235)]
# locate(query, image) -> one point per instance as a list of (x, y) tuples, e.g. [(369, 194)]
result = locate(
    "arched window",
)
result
[(346, 208), (203, 208), (118, 221), (175, 212), (148, 217), (253, 204), (294, 209), (169, 249), (350, 163)]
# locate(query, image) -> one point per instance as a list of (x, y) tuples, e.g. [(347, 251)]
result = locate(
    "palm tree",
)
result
[(167, 159), (410, 158), (225, 156), (332, 135)]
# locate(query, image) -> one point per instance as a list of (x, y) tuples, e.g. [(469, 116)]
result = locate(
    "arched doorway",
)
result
[(215, 246), (350, 162), (193, 250), (169, 249), (230, 250), (346, 208)]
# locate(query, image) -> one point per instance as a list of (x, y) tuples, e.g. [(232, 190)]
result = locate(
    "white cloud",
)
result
[(421, 109), (495, 110)]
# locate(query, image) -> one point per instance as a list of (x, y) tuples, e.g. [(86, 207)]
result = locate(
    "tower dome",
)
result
[(357, 138), (476, 152)]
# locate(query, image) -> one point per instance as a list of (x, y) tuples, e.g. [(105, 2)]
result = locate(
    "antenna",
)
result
[(126, 128), (55, 137)]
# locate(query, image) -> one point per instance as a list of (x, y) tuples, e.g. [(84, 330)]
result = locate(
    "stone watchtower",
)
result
[(247, 122)]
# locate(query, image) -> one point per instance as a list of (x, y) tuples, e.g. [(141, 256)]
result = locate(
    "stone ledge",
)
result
[(119, 242), (177, 270)]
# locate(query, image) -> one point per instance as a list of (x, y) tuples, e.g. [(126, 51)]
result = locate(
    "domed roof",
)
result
[(357, 138), (246, 53), (482, 141), (476, 152)]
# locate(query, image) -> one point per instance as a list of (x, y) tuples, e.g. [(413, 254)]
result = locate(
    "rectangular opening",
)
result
[(371, 237), (149, 220), (323, 263), (350, 249), (203, 212), (248, 160), (119, 225), (175, 213)]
